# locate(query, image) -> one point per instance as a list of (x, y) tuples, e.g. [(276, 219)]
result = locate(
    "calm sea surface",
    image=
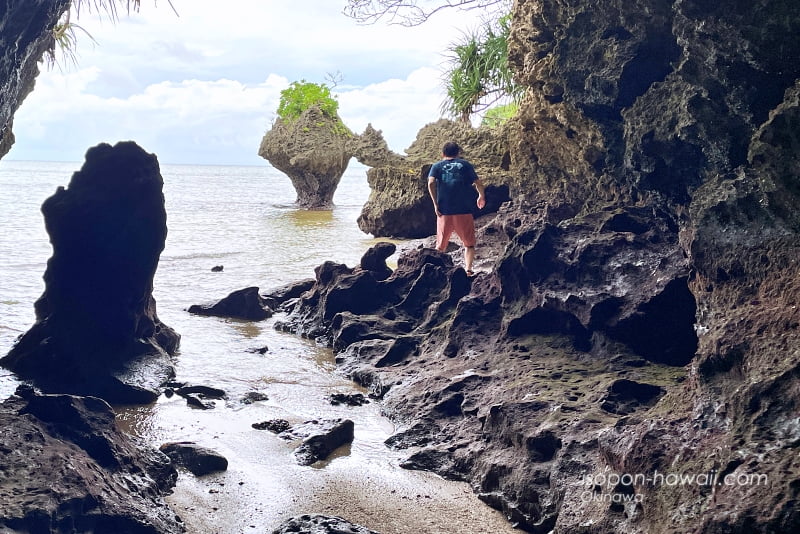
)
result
[(244, 219), (239, 217)]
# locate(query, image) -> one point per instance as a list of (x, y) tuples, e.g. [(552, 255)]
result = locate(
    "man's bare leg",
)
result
[(469, 257)]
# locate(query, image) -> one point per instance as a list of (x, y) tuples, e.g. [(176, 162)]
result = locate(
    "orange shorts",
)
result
[(463, 225)]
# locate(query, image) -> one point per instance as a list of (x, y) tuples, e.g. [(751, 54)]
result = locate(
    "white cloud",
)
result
[(203, 88), (179, 121), (397, 107)]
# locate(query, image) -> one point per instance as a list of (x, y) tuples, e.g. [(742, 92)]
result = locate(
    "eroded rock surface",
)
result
[(244, 303), (400, 205), (96, 330), (197, 459), (319, 438), (320, 524), (312, 151), (67, 468)]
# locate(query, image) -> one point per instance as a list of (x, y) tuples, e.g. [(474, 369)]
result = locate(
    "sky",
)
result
[(202, 87)]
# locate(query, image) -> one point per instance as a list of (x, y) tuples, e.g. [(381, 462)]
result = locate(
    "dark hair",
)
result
[(451, 149)]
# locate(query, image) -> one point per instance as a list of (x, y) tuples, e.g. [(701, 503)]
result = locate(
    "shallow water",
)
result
[(243, 218)]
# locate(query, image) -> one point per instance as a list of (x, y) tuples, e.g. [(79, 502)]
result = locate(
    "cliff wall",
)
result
[(632, 101), (640, 320)]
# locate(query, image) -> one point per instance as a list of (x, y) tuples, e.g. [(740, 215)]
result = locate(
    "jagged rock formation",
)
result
[(97, 331), (315, 149), (691, 108), (452, 356), (399, 204), (641, 318), (67, 468), (312, 151), (631, 101), (25, 33)]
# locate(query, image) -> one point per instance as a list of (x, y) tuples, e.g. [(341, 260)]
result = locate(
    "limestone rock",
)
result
[(244, 303), (347, 399), (374, 259), (96, 329), (620, 273), (312, 151), (371, 149), (320, 524), (198, 460), (66, 467), (276, 426), (319, 438), (205, 391), (400, 205), (277, 297), (642, 100)]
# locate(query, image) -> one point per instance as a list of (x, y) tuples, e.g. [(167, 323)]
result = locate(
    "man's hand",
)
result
[(432, 191), (481, 193)]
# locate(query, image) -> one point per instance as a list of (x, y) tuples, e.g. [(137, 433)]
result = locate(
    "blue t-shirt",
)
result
[(455, 194)]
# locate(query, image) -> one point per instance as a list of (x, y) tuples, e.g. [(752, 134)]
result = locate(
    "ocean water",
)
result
[(240, 217), (243, 218)]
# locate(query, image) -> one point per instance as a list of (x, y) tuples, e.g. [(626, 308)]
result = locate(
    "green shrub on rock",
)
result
[(300, 96)]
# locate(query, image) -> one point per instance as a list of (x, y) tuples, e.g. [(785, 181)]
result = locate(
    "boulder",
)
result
[(276, 426), (204, 391), (198, 460), (68, 468), (96, 330), (348, 399), (319, 438), (194, 400), (399, 204), (252, 397), (320, 524), (241, 304)]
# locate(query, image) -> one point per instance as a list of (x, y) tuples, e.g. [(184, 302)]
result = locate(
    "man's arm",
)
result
[(481, 192), (432, 191)]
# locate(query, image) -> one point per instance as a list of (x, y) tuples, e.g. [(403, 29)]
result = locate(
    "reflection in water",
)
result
[(247, 329), (308, 219)]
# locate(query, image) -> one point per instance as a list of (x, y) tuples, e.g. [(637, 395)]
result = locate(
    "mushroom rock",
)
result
[(313, 151), (96, 330)]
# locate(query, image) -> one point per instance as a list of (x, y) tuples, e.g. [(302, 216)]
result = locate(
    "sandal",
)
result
[(470, 274)]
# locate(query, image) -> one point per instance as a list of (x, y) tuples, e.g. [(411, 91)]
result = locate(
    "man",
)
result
[(452, 183)]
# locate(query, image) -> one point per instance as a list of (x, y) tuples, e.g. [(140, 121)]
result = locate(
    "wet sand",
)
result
[(264, 485)]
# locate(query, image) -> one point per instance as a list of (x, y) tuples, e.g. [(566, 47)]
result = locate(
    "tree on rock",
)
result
[(309, 143), (477, 74)]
